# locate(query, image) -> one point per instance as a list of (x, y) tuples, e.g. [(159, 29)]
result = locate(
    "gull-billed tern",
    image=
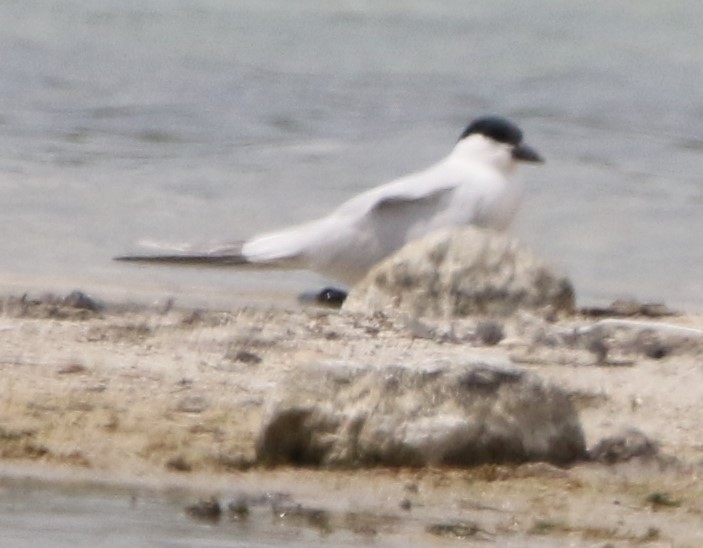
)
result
[(473, 185)]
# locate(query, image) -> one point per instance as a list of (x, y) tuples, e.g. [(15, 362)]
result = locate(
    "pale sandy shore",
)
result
[(166, 397)]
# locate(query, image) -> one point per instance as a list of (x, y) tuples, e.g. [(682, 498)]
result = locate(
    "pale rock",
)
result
[(341, 415), (462, 272)]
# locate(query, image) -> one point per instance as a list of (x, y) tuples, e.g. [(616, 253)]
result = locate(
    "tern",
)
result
[(475, 184)]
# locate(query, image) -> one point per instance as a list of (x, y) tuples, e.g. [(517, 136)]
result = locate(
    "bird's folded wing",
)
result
[(222, 254), (411, 198)]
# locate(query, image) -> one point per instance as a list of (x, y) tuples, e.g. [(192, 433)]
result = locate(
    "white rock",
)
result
[(335, 414), (461, 272)]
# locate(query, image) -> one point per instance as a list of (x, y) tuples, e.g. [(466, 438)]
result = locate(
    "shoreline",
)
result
[(134, 397)]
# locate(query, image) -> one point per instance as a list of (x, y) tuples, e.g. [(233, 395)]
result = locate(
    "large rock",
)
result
[(461, 272), (334, 414)]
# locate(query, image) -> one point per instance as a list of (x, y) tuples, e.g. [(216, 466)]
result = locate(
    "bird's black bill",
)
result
[(525, 153)]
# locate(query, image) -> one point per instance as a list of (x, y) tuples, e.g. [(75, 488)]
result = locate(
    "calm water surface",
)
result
[(68, 515), (209, 119)]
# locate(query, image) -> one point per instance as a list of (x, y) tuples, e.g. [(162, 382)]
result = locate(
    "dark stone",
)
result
[(205, 509), (630, 444), (247, 357), (461, 530), (489, 332), (329, 297), (81, 301)]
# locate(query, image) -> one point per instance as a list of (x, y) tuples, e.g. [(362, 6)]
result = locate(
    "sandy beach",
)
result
[(163, 397)]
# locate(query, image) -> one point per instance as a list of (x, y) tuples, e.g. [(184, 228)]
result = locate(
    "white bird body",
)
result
[(473, 185), (461, 189)]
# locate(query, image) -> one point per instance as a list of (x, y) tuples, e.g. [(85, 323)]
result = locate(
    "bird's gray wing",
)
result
[(226, 254), (403, 200)]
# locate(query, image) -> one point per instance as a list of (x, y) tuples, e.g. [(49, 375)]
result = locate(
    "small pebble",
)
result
[(658, 499), (72, 368), (329, 296), (623, 447), (78, 299), (239, 508), (456, 530), (246, 357), (490, 332), (192, 404), (205, 509), (178, 464)]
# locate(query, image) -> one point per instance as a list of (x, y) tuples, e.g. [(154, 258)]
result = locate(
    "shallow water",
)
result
[(206, 119), (68, 514), (63, 515)]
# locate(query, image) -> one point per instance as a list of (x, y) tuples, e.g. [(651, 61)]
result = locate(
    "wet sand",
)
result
[(161, 397)]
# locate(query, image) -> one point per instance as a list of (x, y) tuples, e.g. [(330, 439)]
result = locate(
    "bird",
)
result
[(475, 184)]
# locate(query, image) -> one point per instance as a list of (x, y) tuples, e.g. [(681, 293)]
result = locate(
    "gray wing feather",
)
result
[(213, 255), (391, 202)]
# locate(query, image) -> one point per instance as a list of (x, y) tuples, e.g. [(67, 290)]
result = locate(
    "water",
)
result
[(209, 119), (65, 515)]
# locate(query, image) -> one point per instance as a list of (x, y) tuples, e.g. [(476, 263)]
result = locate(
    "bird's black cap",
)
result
[(503, 131), (497, 128)]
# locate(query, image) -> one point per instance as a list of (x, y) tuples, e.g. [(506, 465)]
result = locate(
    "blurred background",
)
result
[(193, 120)]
